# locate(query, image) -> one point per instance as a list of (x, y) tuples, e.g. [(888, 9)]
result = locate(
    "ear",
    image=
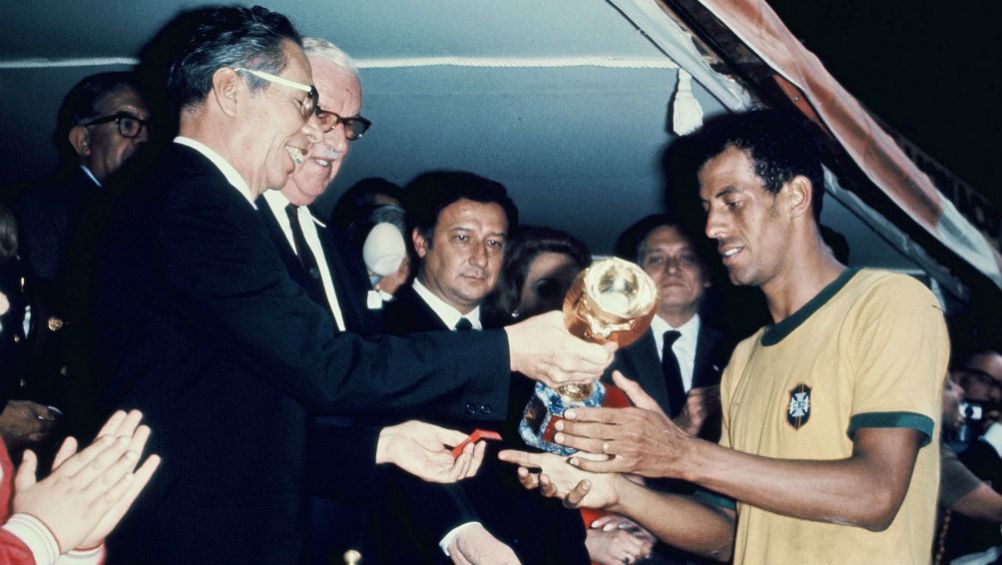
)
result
[(799, 195), (226, 89), (420, 243), (79, 138)]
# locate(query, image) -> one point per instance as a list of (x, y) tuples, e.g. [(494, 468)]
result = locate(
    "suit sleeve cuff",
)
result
[(447, 540), (36, 535)]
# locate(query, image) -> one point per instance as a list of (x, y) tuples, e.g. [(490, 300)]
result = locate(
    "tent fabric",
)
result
[(876, 153)]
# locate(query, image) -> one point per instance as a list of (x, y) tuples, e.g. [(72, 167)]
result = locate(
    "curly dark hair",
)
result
[(781, 146)]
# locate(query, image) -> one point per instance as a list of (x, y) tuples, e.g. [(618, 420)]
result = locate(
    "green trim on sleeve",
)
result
[(918, 422), (711, 498), (775, 333)]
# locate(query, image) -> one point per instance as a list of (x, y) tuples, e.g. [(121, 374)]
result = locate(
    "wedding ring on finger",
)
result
[(605, 447)]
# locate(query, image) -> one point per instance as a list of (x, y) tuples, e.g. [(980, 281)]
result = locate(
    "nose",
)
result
[(312, 130), (672, 265), (337, 139), (714, 225), (478, 257)]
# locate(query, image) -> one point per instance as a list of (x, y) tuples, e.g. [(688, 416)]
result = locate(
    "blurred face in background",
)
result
[(981, 378), (953, 395), (550, 275)]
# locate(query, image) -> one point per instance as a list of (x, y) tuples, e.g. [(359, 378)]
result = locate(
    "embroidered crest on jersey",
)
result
[(798, 411)]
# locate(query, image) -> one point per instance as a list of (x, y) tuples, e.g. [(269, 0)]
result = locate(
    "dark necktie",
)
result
[(673, 374), (314, 284), (464, 324)]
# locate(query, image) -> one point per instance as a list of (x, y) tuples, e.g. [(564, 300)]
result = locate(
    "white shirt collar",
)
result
[(231, 174), (684, 347), (278, 202), (445, 311), (90, 174)]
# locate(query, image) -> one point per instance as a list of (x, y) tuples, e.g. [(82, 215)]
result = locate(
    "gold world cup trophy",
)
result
[(611, 300)]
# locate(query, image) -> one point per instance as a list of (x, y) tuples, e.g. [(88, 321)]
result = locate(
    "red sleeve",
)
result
[(13, 551)]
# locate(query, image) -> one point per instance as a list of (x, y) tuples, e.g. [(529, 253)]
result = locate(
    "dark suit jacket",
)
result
[(341, 477), (640, 362), (418, 515), (45, 217), (201, 327)]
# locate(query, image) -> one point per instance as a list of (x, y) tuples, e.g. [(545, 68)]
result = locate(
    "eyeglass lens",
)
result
[(353, 127)]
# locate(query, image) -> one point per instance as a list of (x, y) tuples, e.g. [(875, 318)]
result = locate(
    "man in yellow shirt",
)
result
[(827, 413)]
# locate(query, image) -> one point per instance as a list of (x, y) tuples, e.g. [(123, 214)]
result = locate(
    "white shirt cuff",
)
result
[(447, 540), (36, 535), (89, 557)]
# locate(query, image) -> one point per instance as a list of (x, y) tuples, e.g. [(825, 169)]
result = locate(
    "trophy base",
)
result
[(545, 409)]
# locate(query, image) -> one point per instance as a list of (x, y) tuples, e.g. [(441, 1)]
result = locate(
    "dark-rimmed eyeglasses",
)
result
[(129, 126), (307, 106), (354, 127)]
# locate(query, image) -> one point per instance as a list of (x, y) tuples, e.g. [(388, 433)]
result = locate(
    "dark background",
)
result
[(930, 69)]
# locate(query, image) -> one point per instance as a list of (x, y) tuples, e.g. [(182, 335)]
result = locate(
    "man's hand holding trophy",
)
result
[(611, 301)]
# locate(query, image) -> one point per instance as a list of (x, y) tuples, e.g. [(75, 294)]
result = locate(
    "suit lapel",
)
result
[(351, 282), (642, 364), (409, 313), (707, 368), (289, 258)]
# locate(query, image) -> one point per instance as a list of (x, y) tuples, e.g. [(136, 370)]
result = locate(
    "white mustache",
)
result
[(325, 152)]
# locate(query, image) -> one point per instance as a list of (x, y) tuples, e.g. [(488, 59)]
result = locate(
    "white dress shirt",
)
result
[(450, 317), (445, 311), (90, 175), (277, 202), (684, 347)]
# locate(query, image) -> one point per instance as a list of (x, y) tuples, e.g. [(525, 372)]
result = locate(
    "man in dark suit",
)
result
[(461, 222), (328, 267), (685, 384), (678, 361), (101, 124), (203, 329)]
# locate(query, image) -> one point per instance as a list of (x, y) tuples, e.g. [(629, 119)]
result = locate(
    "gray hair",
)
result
[(316, 47)]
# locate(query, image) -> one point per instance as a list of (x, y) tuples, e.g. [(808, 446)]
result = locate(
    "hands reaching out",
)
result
[(423, 450), (474, 545), (542, 349), (641, 440), (615, 539), (88, 492)]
